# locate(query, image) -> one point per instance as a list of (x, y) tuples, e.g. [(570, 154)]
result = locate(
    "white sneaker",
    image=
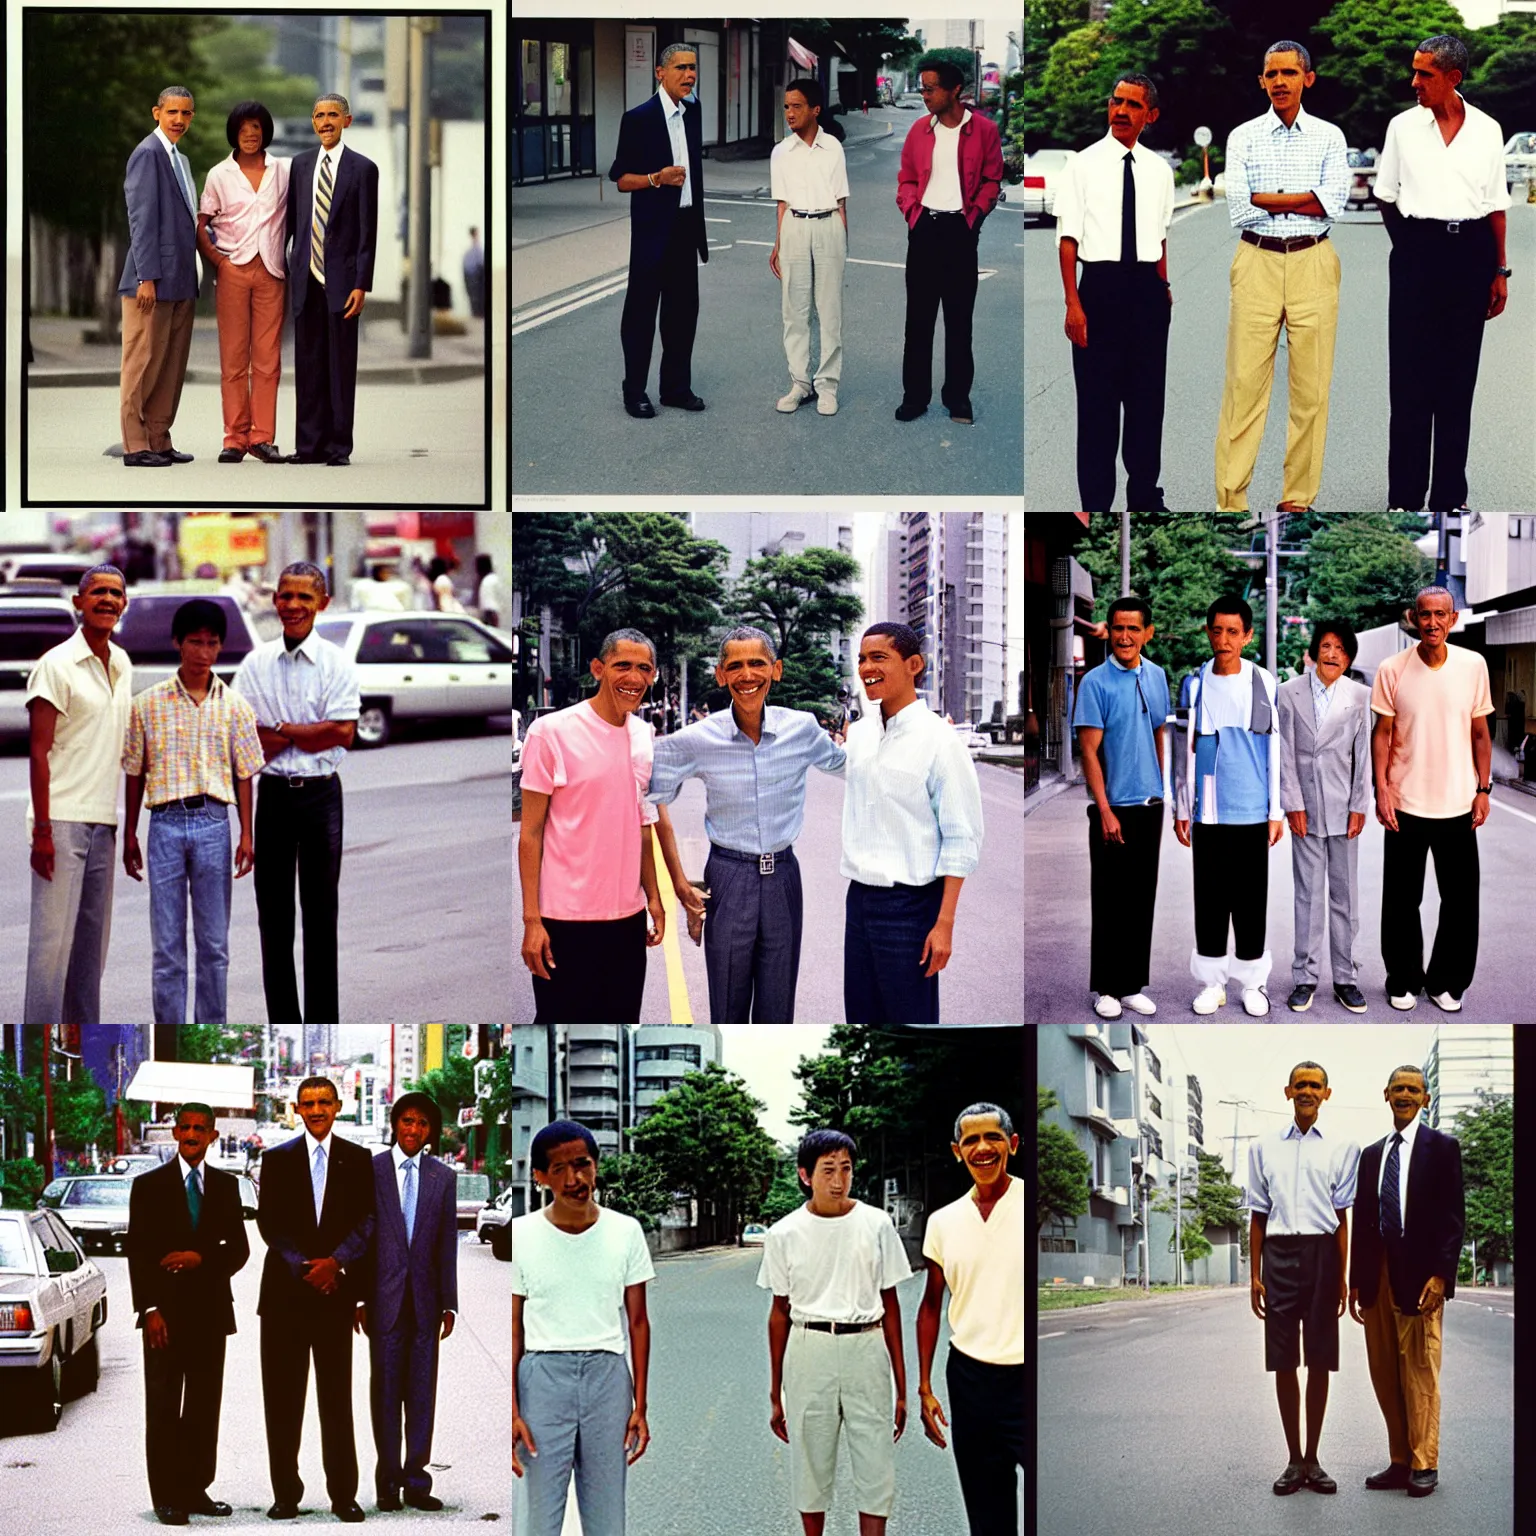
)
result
[(1445, 1002), (826, 402), (791, 401), (1107, 1007), (1255, 1002), (1404, 1002), (1209, 999), (1140, 1002)]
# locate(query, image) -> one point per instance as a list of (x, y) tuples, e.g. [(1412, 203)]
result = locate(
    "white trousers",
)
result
[(811, 257), (839, 1386)]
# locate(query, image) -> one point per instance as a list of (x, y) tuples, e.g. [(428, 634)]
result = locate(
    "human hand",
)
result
[(1343, 1294), (1298, 821), (1109, 825), (1256, 1297), (538, 954), (133, 858), (637, 1435), (323, 1275), (42, 854), (777, 1422), (354, 304), (1480, 806), (1498, 297), (1181, 831), (245, 857), (937, 946), (1356, 823), (447, 1325), (658, 922), (1386, 811), (1276, 832), (901, 1419), (184, 1258), (520, 1432), (145, 297), (693, 900), (1354, 1305), (672, 176), (156, 1334), (1077, 325), (933, 1416), (773, 263), (1432, 1297)]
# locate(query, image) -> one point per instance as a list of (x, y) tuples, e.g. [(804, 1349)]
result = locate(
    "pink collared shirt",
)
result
[(979, 157), (246, 223)]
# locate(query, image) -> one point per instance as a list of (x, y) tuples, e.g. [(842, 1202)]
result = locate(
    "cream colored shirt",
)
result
[(983, 1264), (943, 190), (811, 177), (1431, 771)]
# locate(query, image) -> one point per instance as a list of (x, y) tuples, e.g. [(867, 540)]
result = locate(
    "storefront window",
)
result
[(531, 79), (559, 79)]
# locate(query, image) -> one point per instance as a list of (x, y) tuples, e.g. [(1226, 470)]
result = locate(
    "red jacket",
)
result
[(981, 168)]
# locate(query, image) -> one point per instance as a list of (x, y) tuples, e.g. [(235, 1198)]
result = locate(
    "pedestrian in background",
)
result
[(444, 595), (474, 275), (488, 594), (241, 230)]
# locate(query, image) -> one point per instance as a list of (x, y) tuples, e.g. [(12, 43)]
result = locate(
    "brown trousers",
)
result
[(1403, 1351), (249, 302), (155, 347)]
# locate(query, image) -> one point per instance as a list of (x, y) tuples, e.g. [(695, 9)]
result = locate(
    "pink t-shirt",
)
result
[(1432, 709), (596, 776)]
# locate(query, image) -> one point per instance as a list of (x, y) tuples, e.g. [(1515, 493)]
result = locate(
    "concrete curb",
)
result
[(403, 373)]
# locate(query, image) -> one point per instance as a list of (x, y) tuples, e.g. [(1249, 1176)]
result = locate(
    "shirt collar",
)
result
[(161, 135), (1301, 125), (305, 647), (187, 1168), (334, 151), (816, 143), (1319, 686), (313, 1144), (934, 123), (1120, 667), (1293, 1133), (401, 1159), (1407, 1134), (215, 685), (901, 720), (80, 649), (1137, 151), (668, 106), (734, 731)]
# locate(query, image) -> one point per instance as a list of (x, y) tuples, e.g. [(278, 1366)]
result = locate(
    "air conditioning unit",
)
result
[(1116, 1194)]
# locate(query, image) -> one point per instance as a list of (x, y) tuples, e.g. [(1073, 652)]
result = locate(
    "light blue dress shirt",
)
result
[(754, 796), (1301, 1182), (1263, 155), (1322, 696), (311, 683)]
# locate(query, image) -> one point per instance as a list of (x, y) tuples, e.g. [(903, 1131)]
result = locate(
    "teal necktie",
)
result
[(194, 1199)]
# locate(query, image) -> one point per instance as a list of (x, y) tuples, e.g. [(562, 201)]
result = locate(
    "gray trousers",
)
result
[(576, 1404), (71, 924), (752, 939), (1311, 858), (812, 253)]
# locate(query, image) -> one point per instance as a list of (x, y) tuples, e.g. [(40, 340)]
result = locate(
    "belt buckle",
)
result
[(1453, 226), (765, 863)]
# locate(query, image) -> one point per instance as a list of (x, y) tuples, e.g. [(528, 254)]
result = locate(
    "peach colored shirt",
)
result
[(1431, 770), (247, 222)]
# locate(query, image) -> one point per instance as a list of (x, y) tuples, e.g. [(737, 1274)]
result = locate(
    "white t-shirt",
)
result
[(833, 1268), (943, 190), (983, 1264), (574, 1282)]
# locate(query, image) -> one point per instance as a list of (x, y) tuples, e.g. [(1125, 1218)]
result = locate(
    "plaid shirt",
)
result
[(187, 749), (1263, 155)]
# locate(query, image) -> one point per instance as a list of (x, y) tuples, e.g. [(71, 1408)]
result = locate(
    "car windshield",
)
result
[(14, 1252), (334, 630), (99, 1192), (474, 1186), (144, 630)]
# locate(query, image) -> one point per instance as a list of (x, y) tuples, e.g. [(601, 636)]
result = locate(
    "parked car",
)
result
[(93, 1206), (28, 627), (474, 1192), (517, 741), (144, 631), (1362, 176), (135, 1163), (47, 566), (1043, 172), (53, 1303), (422, 666), (1520, 160), (494, 1213), (970, 737), (754, 1233)]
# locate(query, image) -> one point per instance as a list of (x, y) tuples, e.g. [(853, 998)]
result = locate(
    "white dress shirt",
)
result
[(184, 1168), (811, 177), (1404, 1152), (674, 115), (1263, 155), (314, 188), (1300, 1183), (1322, 696), (311, 1146), (181, 169), (1091, 195), (942, 193), (912, 810), (1430, 179), (314, 682)]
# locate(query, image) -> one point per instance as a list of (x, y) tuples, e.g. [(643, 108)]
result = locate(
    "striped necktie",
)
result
[(322, 218), (1391, 1202)]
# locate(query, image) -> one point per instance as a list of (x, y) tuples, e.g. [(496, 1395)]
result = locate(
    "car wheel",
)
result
[(373, 723), (44, 1405), (83, 1373)]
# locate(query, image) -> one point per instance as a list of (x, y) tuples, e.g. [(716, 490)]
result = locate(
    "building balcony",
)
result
[(1115, 1194), (593, 1104), (1100, 1119), (1094, 1036)]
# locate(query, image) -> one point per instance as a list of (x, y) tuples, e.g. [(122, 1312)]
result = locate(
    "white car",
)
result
[(754, 1233), (1520, 160), (495, 1213), (1043, 173), (420, 665), (970, 737), (28, 626)]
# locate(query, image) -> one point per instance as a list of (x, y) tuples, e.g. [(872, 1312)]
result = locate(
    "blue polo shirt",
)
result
[(1127, 706)]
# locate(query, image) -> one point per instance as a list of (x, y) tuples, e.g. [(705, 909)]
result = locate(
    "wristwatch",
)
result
[(1504, 271), (1485, 789)]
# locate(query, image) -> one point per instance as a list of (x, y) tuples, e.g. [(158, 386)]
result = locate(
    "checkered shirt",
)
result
[(1263, 155), (184, 748)]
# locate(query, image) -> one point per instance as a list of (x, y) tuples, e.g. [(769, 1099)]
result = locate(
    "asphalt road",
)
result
[(413, 443), (1502, 470), (89, 1474), (1057, 923), (426, 882), (570, 434), (981, 983), (1172, 1397)]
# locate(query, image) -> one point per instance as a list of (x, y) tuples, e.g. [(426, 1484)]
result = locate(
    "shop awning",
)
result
[(174, 1082), (802, 56)]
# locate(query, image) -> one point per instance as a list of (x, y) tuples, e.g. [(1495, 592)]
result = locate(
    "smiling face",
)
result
[(984, 1148), (1129, 112), (299, 599), (748, 673), (329, 120), (622, 680), (571, 1176), (1283, 81), (248, 136), (679, 74), (1307, 1090), (101, 605), (174, 116), (1433, 87), (318, 1108), (1227, 637), (1407, 1093), (889, 678), (412, 1129), (194, 1133)]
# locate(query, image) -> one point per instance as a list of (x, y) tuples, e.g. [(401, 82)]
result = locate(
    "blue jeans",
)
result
[(71, 924), (189, 850)]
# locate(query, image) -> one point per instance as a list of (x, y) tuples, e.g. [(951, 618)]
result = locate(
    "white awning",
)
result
[(802, 56), (174, 1082)]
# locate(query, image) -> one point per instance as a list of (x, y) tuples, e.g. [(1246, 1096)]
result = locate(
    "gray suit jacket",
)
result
[(162, 229), (1325, 773)]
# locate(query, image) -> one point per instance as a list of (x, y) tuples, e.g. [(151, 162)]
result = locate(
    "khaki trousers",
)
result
[(249, 302), (155, 347), (1269, 289), (812, 253), (1403, 1351)]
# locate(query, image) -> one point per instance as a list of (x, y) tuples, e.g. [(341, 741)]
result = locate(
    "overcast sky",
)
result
[(765, 1055)]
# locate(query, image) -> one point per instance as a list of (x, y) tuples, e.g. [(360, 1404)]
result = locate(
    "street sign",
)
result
[(1202, 137), (469, 1115)]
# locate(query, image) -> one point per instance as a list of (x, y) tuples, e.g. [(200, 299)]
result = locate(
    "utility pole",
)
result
[(1272, 522), (420, 185), (1236, 1104), (48, 1099), (1125, 553)]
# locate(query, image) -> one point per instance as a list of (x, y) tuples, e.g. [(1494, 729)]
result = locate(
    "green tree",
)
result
[(1062, 1172), (1503, 81), (1212, 1200), (80, 1117), (22, 1180), (1068, 108), (235, 61), (810, 680), (631, 1183), (1487, 1137), (1364, 569), (1184, 46), (452, 1086), (871, 45), (785, 1194)]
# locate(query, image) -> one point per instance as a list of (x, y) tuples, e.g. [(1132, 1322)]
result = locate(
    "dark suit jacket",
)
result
[(160, 1223), (351, 232), (646, 146), (286, 1216), (162, 230), (429, 1266), (1432, 1226)]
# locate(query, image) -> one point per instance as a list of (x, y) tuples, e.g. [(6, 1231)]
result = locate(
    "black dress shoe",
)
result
[(388, 1503), (351, 1511), (339, 458), (267, 452), (688, 402), (1318, 1480), (422, 1500), (174, 457), (1422, 1483), (1395, 1477), (167, 1515), (1350, 997), (282, 1510), (1301, 997), (962, 413), (905, 412), (231, 455), (1291, 1479), (640, 407), (146, 458), (207, 1506), (306, 458)]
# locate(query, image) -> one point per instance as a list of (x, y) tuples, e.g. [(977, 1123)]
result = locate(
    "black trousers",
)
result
[(1447, 277), (1123, 368), (1453, 843), (1231, 866), (986, 1421), (941, 270), (884, 980), (298, 828), (324, 376), (183, 1389), (673, 284), (1123, 889), (288, 1341), (1301, 1301), (599, 972)]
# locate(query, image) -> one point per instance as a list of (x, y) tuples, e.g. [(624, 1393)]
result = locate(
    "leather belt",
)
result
[(764, 861), (299, 780), (189, 803), (1446, 226), (945, 213), (838, 1327), (826, 213), (1285, 247)]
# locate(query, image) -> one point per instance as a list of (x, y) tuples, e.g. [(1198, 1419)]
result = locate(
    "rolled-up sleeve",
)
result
[(955, 794), (1069, 203), (1240, 207), (1385, 187), (1257, 1200), (1346, 1177), (672, 761), (1332, 190)]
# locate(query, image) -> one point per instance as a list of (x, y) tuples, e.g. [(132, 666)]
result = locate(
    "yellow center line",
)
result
[(677, 983)]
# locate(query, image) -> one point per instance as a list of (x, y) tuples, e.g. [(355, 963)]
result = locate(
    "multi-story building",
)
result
[(593, 1087), (1464, 1058), (661, 1055), (1500, 554), (532, 1047)]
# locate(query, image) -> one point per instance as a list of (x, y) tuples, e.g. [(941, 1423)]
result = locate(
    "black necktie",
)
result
[(1391, 1209), (1128, 213)]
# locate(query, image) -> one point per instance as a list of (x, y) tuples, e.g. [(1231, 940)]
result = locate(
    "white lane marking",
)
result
[(566, 309), (600, 285), (1060, 1333), (709, 220), (755, 242), (985, 273), (859, 261), (1523, 815), (716, 245)]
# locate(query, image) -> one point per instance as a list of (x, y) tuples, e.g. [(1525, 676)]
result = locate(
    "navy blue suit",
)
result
[(666, 244), (325, 345), (409, 1287)]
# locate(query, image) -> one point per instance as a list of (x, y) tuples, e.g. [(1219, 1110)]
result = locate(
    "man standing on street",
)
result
[(1325, 791), (316, 1215), (78, 700), (1287, 181), (306, 698), (1112, 214), (1442, 193), (186, 1237), (1121, 713), (1301, 1185), (660, 159), (975, 1247), (1433, 758), (1402, 1272), (159, 284), (951, 174)]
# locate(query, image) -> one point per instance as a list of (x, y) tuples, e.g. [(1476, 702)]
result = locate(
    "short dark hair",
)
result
[(810, 89), (101, 570), (1418, 1072), (747, 634), (427, 1106), (317, 1083), (1135, 77), (950, 75), (1129, 605), (483, 565), (815, 1145), (617, 637), (193, 1107), (245, 112), (199, 613), (172, 91), (984, 1107), (1227, 603), (1449, 52), (1314, 1065), (901, 636), (553, 1135), (308, 570), (1285, 45), (1342, 632)]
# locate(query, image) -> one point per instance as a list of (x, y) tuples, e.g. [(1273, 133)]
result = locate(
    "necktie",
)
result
[(184, 180), (1128, 212), (1391, 1209), (322, 218), (194, 1198), (408, 1201), (317, 1180)]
